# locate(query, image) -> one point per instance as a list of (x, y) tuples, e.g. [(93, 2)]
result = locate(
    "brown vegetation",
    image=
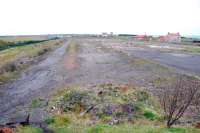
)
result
[(6, 130), (177, 97)]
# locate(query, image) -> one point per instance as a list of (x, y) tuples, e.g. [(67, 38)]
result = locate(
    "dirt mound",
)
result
[(6, 130), (109, 103)]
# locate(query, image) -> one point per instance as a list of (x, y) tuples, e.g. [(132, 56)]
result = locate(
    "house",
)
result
[(171, 37), (141, 37), (105, 34), (162, 39)]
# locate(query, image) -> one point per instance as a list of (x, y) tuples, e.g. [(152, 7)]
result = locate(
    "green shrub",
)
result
[(98, 128), (37, 103), (177, 130), (50, 120), (150, 114), (77, 101)]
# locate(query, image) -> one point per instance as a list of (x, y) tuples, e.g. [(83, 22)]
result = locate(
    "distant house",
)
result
[(141, 37), (162, 39), (105, 34), (171, 37)]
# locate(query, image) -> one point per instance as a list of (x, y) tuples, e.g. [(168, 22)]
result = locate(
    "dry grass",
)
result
[(15, 59)]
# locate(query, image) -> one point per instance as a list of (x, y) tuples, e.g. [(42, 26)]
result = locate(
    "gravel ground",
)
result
[(92, 62)]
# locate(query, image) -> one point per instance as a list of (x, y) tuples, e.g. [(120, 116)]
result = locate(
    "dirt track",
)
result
[(89, 63), (37, 81)]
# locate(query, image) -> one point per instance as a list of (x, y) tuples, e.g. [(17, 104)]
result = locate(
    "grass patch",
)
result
[(58, 120), (28, 129), (104, 128), (73, 47), (192, 49), (6, 76), (37, 103), (127, 128), (122, 128), (163, 80), (151, 114), (139, 61)]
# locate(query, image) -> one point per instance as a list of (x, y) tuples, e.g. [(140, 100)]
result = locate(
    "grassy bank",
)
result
[(15, 59), (192, 49), (6, 44)]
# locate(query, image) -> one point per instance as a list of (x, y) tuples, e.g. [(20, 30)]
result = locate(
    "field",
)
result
[(92, 84)]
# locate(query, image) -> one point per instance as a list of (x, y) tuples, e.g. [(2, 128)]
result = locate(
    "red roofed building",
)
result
[(171, 37), (141, 37)]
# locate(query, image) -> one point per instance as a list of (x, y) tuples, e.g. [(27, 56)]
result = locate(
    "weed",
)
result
[(142, 95), (98, 128), (108, 104), (61, 120), (38, 102), (29, 129), (76, 101), (50, 120), (150, 114)]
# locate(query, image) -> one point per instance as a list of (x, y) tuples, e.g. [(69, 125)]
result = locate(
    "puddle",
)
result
[(180, 55)]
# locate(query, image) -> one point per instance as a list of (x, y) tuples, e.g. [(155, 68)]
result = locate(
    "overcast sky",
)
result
[(96, 16)]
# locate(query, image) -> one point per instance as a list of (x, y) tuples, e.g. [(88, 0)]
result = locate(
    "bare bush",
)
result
[(176, 97), (9, 67), (43, 51), (196, 102)]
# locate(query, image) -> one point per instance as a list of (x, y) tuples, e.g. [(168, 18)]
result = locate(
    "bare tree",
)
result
[(176, 97), (196, 102)]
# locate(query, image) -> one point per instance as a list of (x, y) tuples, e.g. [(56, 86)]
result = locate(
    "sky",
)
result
[(155, 17)]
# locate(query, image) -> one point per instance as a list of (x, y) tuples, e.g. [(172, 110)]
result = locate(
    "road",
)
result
[(182, 61)]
